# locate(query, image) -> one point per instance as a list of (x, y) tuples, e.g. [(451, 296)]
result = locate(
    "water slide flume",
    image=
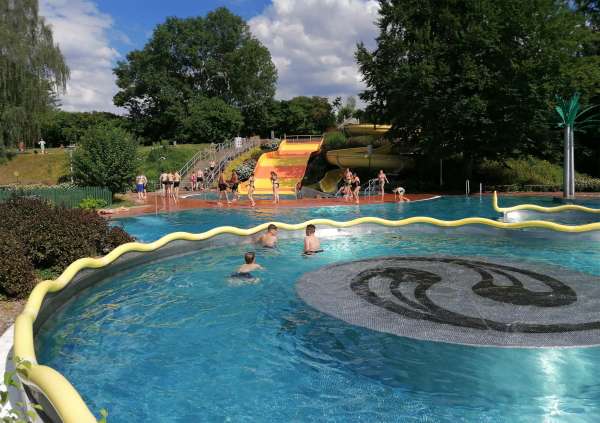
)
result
[(65, 399), (289, 162)]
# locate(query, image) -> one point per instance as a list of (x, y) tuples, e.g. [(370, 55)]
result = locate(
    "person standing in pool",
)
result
[(251, 189), (250, 265), (222, 185), (234, 184), (269, 238), (382, 181), (355, 187), (275, 185), (311, 242)]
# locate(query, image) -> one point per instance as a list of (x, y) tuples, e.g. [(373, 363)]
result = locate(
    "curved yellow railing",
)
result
[(535, 207), (65, 398)]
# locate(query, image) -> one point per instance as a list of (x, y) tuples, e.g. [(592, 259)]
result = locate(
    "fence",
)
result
[(61, 196)]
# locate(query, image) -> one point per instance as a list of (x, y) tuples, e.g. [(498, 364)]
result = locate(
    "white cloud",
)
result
[(81, 31), (312, 43)]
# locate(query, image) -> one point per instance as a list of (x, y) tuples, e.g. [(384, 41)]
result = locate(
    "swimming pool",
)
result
[(181, 340), (150, 227)]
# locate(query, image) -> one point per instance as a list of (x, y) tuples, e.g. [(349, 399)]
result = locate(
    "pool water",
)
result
[(181, 341), (151, 227)]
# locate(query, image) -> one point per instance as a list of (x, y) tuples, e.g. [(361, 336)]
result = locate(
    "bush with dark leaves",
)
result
[(53, 237), (16, 271)]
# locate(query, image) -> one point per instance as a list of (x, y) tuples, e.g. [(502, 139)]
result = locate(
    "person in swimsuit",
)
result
[(193, 181), (382, 181), (139, 186), (399, 192), (164, 179), (234, 184), (249, 265), (200, 180), (347, 184), (355, 186), (251, 189), (275, 184), (312, 244), (170, 182), (269, 238), (222, 189), (176, 183)]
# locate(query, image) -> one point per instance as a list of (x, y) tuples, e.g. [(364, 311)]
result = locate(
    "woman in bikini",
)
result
[(382, 181), (348, 184), (222, 189), (234, 183), (275, 184), (355, 186), (251, 189)]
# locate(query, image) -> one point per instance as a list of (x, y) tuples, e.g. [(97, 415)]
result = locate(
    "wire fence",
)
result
[(61, 196)]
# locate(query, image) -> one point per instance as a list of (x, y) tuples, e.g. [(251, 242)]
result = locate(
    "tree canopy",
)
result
[(473, 77), (189, 59), (32, 71)]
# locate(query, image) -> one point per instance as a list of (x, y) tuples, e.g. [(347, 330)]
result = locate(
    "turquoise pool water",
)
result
[(150, 227), (181, 341)]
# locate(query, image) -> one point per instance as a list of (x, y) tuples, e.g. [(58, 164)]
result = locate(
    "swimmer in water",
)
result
[(269, 238), (311, 242), (249, 265)]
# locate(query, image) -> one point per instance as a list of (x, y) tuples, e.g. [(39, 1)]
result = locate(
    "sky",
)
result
[(312, 42)]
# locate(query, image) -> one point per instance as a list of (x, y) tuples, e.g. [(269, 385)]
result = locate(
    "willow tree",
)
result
[(32, 71)]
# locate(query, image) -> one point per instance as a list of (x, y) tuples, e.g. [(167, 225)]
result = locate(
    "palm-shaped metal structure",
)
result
[(571, 119)]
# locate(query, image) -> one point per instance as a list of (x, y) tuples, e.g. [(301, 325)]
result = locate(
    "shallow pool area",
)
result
[(181, 340), (151, 227)]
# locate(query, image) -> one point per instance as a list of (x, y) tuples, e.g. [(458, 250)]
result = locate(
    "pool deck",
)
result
[(158, 204)]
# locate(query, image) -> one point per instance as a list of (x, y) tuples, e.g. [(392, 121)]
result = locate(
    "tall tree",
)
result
[(473, 77), (32, 70), (212, 56)]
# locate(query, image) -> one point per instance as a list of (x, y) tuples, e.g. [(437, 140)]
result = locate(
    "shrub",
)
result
[(586, 183), (53, 237), (245, 169), (334, 141), (16, 271), (105, 157), (92, 203)]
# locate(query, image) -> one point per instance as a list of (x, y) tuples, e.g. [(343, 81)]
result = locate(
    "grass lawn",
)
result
[(30, 168)]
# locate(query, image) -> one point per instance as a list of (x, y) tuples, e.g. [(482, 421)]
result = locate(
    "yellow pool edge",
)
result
[(535, 207), (65, 399)]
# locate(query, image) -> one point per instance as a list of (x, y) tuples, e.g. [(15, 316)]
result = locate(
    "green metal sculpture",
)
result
[(571, 120)]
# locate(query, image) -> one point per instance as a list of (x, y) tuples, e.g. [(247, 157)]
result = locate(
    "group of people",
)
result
[(232, 184), (169, 182), (198, 178), (350, 188), (312, 245)]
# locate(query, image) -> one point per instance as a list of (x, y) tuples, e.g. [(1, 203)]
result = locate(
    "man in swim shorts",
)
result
[(249, 265), (399, 192), (269, 238), (311, 242)]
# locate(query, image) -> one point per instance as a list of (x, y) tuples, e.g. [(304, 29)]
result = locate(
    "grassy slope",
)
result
[(48, 168), (35, 168)]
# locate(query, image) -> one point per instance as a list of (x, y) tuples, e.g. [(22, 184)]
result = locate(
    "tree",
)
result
[(305, 115), (473, 77), (105, 157), (210, 120), (213, 57), (32, 70), (61, 127)]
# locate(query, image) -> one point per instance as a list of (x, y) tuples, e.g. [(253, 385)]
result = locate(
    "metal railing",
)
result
[(303, 138), (372, 187)]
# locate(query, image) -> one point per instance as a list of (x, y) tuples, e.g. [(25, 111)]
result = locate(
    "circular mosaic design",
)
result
[(461, 300)]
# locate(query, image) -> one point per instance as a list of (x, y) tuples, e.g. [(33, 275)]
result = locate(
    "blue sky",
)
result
[(312, 42)]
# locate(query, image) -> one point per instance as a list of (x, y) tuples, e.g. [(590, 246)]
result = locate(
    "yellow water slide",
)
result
[(358, 158), (289, 162), (366, 129)]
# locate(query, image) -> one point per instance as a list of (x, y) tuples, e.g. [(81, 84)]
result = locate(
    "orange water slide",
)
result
[(289, 162)]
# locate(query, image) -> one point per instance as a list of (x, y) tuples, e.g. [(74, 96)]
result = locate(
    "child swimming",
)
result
[(249, 265), (269, 238), (312, 244)]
